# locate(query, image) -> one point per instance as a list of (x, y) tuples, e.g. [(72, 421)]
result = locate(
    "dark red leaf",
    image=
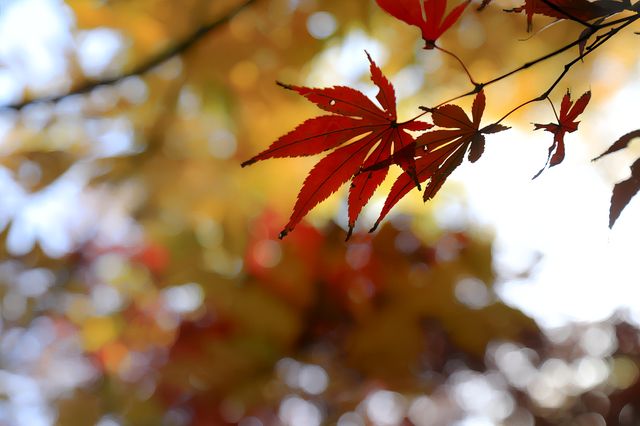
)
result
[(567, 123), (326, 177), (623, 192), (386, 95), (477, 148), (621, 143), (493, 128), (440, 152), (427, 166), (364, 184), (477, 108)]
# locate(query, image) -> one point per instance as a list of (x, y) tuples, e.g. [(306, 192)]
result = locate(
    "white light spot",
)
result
[(35, 41), (109, 266), (351, 419), (189, 101), (10, 90), (423, 411), (556, 373), (295, 411), (598, 341), (288, 370), (385, 407), (473, 293), (515, 365), (134, 89), (97, 49), (590, 372), (115, 138), (107, 421), (471, 32), (321, 25), (105, 299), (35, 282), (408, 81), (184, 298), (474, 421), (313, 379), (222, 144), (480, 396), (431, 62), (340, 64)]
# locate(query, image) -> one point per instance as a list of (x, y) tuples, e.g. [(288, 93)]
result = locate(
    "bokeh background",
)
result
[(142, 281)]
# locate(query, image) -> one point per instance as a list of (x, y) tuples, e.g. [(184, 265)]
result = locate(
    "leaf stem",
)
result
[(457, 58)]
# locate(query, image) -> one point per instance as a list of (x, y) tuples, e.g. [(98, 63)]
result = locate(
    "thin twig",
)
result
[(570, 64), (479, 86), (464, 67), (161, 57)]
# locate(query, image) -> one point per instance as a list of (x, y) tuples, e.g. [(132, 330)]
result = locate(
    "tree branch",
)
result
[(612, 32), (583, 38), (179, 47)]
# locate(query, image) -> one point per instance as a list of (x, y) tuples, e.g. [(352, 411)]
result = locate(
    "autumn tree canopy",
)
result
[(142, 280)]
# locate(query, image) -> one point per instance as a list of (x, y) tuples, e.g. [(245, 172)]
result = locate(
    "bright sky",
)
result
[(587, 272)]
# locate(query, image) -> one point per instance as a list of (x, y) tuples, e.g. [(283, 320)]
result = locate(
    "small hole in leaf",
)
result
[(333, 102)]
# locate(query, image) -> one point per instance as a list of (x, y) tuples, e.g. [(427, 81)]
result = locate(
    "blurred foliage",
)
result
[(141, 281)]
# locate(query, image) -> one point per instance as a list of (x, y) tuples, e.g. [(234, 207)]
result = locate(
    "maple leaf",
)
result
[(566, 124), (439, 152), (434, 23), (359, 132), (623, 191), (621, 143), (583, 10)]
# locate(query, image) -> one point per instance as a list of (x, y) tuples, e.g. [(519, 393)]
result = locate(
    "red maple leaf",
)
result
[(361, 134), (433, 24), (566, 124), (439, 152)]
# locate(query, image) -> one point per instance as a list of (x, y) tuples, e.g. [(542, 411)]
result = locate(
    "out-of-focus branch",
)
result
[(179, 47)]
